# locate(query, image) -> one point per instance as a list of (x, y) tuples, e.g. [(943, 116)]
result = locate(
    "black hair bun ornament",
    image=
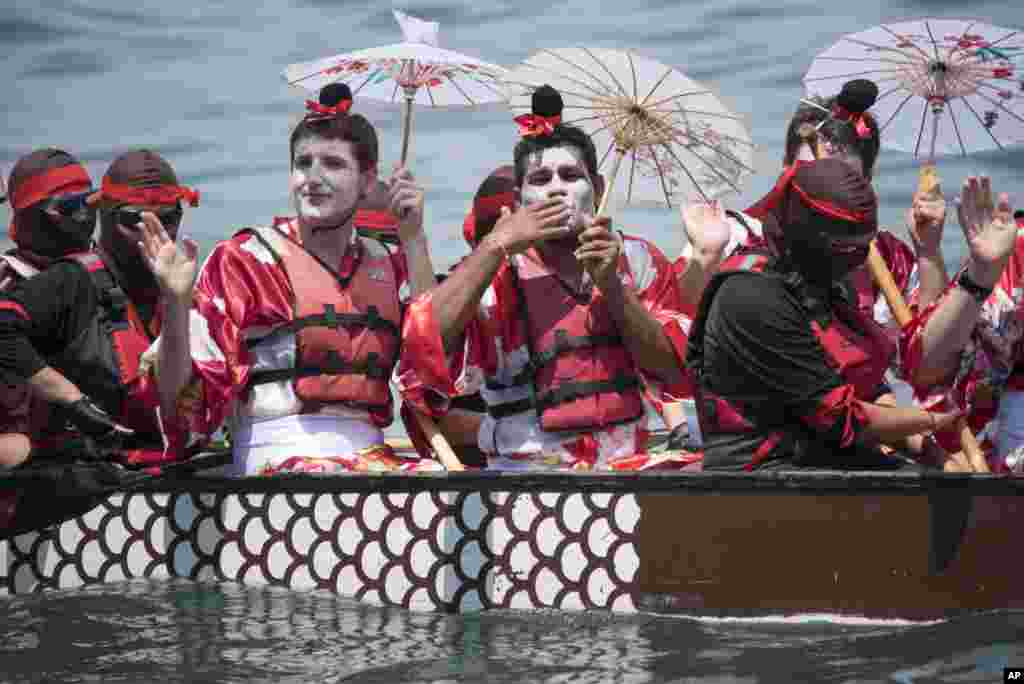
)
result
[(546, 113), (334, 93), (858, 96), (546, 102), (335, 100)]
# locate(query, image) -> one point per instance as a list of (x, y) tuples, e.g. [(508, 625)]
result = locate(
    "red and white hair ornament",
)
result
[(534, 125), (859, 121), (315, 110)]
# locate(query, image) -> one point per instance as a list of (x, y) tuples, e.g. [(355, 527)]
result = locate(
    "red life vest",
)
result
[(854, 344), (347, 330), (581, 375), (103, 361)]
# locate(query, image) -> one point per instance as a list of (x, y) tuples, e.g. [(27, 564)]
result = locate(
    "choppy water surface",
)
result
[(200, 81), (178, 631)]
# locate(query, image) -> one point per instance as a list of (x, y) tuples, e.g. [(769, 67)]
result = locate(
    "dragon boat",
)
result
[(904, 545)]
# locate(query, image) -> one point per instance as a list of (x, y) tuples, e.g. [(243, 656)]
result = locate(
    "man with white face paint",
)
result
[(560, 323), (295, 326)]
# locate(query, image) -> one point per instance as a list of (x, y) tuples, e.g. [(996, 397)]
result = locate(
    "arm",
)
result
[(925, 222), (41, 317), (646, 339), (455, 301), (991, 237), (175, 271), (643, 312), (407, 205), (708, 232), (14, 449)]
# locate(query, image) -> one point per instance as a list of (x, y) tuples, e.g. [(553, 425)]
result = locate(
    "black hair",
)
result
[(856, 97), (354, 128), (1019, 214), (547, 102)]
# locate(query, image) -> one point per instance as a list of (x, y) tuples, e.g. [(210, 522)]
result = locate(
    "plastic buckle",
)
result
[(331, 316)]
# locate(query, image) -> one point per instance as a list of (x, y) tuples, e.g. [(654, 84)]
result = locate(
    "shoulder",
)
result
[(755, 300), (251, 244)]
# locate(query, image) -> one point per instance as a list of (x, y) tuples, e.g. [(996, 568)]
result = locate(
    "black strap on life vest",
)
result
[(332, 364), (569, 391), (330, 318), (566, 391)]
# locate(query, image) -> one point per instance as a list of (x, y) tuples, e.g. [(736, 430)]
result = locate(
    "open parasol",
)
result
[(674, 137), (413, 72), (947, 86)]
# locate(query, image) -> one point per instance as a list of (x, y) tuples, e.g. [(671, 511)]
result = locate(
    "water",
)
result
[(200, 82), (178, 631)]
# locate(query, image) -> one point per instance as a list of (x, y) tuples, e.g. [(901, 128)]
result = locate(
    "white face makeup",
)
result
[(559, 172), (325, 183)]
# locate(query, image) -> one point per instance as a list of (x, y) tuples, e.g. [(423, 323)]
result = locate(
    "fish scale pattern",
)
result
[(435, 550)]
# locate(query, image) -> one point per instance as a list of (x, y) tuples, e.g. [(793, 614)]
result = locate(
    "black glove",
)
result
[(94, 422), (679, 438)]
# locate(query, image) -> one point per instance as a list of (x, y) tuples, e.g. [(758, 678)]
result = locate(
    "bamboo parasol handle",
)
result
[(406, 127), (894, 298), (438, 443), (620, 153)]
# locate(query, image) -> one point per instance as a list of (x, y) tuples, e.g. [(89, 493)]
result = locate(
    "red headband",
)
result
[(772, 200), (490, 206), (130, 194), (376, 220), (317, 111), (1020, 222), (769, 202), (859, 121), (532, 125), (49, 183), (828, 208)]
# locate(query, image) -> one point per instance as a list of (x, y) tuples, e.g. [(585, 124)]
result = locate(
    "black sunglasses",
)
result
[(128, 218), (70, 204)]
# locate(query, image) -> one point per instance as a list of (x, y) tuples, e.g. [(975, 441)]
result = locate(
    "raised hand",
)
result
[(707, 228), (174, 267), (599, 251), (925, 222), (989, 229), (519, 230), (406, 203)]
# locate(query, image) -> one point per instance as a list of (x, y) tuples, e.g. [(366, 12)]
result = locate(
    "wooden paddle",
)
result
[(438, 443), (901, 312)]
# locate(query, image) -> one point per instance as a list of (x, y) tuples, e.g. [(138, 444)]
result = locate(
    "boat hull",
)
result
[(877, 545)]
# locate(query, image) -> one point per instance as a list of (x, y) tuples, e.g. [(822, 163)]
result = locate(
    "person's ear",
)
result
[(368, 179)]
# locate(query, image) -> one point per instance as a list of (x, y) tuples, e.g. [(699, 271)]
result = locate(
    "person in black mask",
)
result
[(51, 219), (75, 333), (787, 369)]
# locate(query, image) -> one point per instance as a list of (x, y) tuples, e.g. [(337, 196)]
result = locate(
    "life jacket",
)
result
[(580, 374), (347, 329), (103, 361), (854, 344)]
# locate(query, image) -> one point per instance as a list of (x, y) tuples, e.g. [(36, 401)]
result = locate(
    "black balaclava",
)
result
[(826, 200), (40, 237)]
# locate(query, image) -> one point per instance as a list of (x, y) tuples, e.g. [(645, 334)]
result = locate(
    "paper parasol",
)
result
[(947, 86), (413, 72), (678, 141)]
